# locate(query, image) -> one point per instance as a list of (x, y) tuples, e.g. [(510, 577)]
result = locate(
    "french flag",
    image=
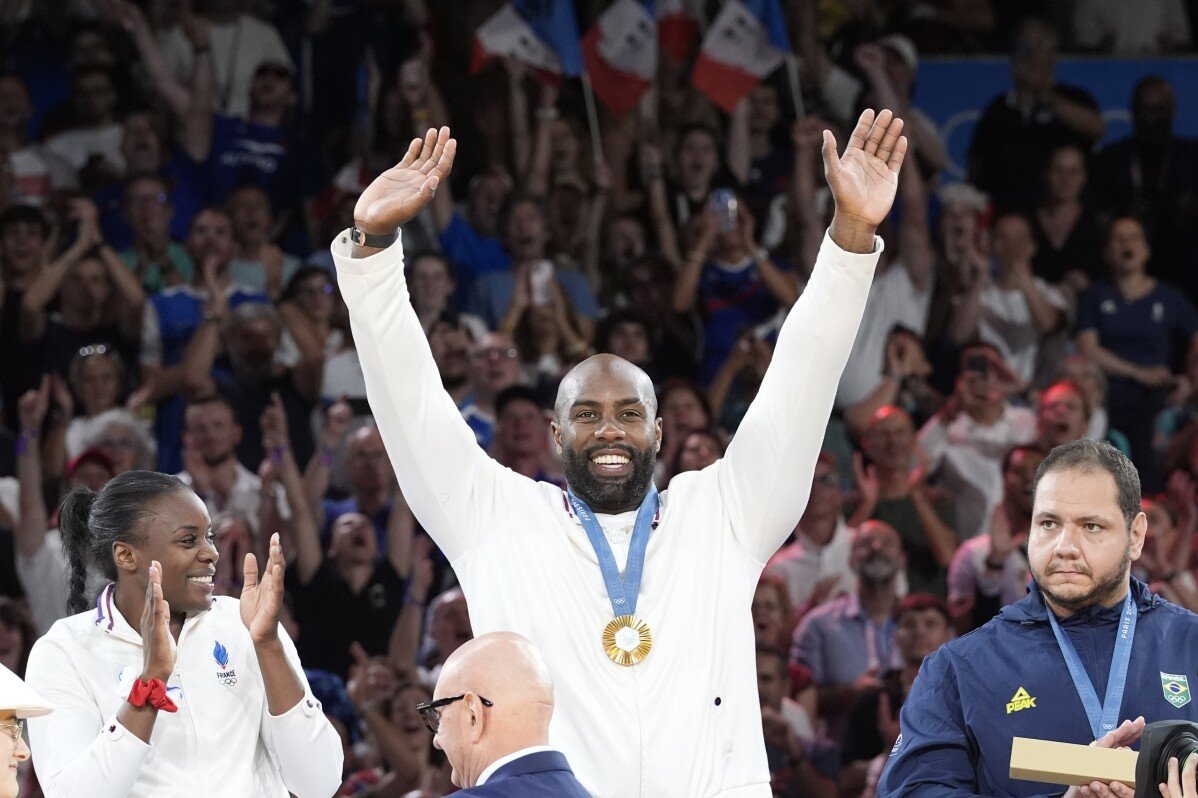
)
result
[(745, 44), (540, 33), (620, 53), (677, 28)]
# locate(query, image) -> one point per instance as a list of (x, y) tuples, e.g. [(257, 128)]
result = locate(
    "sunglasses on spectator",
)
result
[(430, 713)]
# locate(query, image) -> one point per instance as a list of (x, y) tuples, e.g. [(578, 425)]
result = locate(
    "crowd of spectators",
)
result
[(170, 178)]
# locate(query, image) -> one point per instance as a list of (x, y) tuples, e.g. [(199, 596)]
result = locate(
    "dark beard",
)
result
[(1102, 593), (609, 496)]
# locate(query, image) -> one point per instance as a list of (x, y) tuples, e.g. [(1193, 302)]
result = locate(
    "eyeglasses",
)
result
[(497, 354), (93, 349), (16, 730), (430, 713)]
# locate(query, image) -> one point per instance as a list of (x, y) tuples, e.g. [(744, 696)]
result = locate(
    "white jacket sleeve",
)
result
[(306, 746), (765, 477), (451, 484), (78, 752)]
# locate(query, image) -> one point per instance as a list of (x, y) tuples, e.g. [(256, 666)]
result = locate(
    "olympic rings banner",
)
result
[(953, 93)]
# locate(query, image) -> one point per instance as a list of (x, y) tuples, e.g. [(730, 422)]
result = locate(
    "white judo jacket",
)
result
[(221, 741), (686, 722)]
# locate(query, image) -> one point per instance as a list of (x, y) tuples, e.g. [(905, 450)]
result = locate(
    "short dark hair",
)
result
[(608, 324), (410, 258), (920, 602), (776, 654), (1085, 454), (24, 214), (515, 393)]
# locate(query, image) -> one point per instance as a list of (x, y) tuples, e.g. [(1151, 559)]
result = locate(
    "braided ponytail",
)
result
[(73, 518)]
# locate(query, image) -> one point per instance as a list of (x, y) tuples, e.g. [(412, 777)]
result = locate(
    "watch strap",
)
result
[(364, 239)]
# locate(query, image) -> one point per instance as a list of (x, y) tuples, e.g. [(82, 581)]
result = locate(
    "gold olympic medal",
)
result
[(627, 640)]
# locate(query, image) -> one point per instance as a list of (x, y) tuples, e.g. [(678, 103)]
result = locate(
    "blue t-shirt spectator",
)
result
[(1144, 331), (493, 293), (473, 255), (271, 156), (733, 300), (186, 178), (171, 319)]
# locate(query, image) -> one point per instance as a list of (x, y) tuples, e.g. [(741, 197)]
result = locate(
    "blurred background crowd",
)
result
[(171, 175)]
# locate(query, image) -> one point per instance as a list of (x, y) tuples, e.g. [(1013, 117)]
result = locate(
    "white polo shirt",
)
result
[(221, 741), (685, 722)]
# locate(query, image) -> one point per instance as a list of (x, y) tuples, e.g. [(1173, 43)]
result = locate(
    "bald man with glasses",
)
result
[(490, 713)]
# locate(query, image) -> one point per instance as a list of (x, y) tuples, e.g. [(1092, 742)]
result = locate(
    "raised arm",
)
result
[(448, 480), (32, 522), (766, 473)]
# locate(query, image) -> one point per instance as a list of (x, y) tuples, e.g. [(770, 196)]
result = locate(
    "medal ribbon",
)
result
[(1105, 716), (622, 593)]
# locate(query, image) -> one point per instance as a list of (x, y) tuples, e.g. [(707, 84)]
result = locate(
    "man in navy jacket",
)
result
[(1050, 665), (490, 713)]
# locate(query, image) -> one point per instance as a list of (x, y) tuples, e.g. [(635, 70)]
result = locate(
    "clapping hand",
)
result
[(401, 192), (158, 645), (262, 598)]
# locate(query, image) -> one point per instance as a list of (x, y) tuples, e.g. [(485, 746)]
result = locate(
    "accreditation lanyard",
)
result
[(622, 593), (1105, 716)]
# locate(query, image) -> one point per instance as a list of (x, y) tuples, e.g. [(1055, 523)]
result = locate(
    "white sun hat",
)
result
[(18, 698)]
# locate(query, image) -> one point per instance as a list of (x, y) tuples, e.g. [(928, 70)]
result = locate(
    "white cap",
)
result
[(19, 698)]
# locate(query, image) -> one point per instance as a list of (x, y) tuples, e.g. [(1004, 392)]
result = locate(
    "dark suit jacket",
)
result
[(545, 774)]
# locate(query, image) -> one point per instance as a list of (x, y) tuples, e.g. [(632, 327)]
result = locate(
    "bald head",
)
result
[(607, 432), (500, 665), (506, 703), (599, 372)]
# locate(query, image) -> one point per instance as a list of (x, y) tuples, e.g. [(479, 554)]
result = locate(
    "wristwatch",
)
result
[(364, 239)]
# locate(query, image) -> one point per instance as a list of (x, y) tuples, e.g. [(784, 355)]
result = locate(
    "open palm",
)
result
[(865, 178), (400, 193), (261, 599)]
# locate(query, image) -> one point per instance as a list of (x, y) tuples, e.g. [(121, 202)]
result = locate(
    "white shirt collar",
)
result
[(498, 763)]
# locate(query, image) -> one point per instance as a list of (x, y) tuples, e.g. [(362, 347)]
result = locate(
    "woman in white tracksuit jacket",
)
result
[(161, 689)]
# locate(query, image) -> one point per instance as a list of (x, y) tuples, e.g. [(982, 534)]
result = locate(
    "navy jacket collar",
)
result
[(1032, 609), (539, 762)]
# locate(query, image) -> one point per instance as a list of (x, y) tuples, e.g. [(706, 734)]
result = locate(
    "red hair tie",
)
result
[(153, 693)]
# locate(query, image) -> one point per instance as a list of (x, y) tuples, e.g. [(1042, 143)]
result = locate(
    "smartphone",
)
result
[(541, 283), (723, 202)]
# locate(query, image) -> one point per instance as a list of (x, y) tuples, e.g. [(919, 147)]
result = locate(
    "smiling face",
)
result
[(606, 432), (1081, 545), (177, 532)]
